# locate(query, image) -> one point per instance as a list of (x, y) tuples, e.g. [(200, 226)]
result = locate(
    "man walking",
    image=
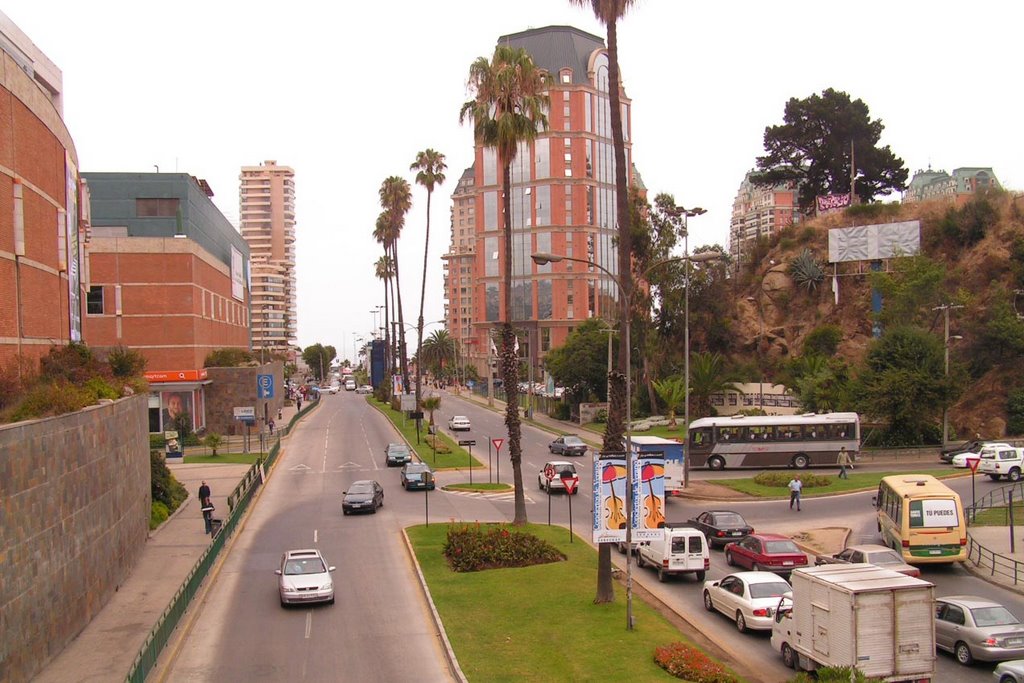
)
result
[(844, 462), (204, 495), (795, 486)]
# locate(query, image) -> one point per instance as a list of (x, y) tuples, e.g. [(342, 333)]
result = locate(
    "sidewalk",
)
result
[(107, 646), (991, 559)]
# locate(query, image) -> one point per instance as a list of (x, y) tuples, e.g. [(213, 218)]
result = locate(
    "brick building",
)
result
[(760, 211), (40, 228), (167, 275), (458, 268)]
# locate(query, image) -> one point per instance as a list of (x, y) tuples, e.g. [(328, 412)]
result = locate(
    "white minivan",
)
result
[(681, 549)]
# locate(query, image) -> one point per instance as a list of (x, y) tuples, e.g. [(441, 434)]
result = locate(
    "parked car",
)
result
[(960, 459), (878, 555), (459, 423), (396, 454), (304, 577), (333, 389), (364, 389), (974, 628), (556, 483), (722, 526), (570, 444), (770, 552), (1009, 672), (946, 455), (417, 475), (748, 597), (362, 496)]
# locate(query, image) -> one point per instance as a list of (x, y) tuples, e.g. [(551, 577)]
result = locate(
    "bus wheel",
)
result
[(716, 463), (1014, 474), (801, 461)]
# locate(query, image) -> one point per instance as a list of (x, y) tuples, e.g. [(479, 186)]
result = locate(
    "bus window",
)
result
[(700, 438), (728, 433)]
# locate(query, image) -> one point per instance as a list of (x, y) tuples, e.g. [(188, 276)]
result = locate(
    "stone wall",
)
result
[(75, 504), (236, 387)]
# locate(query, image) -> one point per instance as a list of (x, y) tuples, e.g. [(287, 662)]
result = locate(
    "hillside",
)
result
[(981, 247)]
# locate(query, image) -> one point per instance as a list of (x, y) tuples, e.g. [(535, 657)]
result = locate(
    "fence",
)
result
[(981, 556)]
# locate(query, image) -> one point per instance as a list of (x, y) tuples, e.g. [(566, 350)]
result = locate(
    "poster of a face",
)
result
[(175, 403)]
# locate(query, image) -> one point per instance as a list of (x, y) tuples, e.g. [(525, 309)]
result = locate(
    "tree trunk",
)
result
[(387, 313), (404, 360), (419, 324), (613, 441), (509, 360)]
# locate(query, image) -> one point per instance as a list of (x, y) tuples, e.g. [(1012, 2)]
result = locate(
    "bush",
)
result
[(54, 398), (100, 388), (806, 270), (561, 411), (158, 514), (213, 441), (601, 416), (125, 362), (228, 358), (823, 340), (782, 479), (691, 664), (74, 363), (1015, 412), (164, 487), (469, 548)]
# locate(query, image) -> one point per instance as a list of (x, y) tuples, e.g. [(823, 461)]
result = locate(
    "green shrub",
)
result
[(875, 210), (807, 235), (787, 243), (74, 363), (228, 358), (601, 416), (834, 674), (164, 487), (561, 411), (125, 362), (158, 513), (782, 479), (100, 388), (213, 441), (691, 664), (54, 398), (157, 442), (806, 270), (1015, 412), (470, 548), (823, 340)]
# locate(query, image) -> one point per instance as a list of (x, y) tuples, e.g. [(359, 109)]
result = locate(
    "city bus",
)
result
[(772, 440), (921, 518)]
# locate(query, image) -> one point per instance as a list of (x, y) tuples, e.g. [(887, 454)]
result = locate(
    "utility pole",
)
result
[(945, 308)]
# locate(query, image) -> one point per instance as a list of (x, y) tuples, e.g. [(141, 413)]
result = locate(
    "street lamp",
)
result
[(375, 312), (544, 258)]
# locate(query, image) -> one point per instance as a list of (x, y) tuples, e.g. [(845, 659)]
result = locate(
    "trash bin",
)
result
[(215, 527)]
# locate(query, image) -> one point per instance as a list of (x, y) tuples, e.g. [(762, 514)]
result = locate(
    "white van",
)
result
[(1001, 460), (681, 550)]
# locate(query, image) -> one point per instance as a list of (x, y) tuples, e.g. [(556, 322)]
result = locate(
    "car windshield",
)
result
[(305, 565), (360, 489), (573, 441), (769, 590), (993, 616), (729, 519), (460, 418), (884, 557), (398, 449), (780, 547)]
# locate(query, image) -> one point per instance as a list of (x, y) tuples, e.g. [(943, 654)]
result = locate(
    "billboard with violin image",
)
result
[(611, 502)]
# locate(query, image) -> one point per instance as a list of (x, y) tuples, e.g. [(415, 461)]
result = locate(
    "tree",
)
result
[(672, 392), (430, 404), (813, 148), (438, 350), (429, 167), (227, 358), (125, 362), (582, 362), (396, 200), (708, 375), (608, 12), (910, 291), (384, 271), (508, 105), (318, 358)]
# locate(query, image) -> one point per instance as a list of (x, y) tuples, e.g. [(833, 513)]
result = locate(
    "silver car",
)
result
[(1009, 672), (974, 628), (305, 577)]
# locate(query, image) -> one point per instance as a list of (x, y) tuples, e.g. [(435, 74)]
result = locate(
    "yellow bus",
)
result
[(921, 518)]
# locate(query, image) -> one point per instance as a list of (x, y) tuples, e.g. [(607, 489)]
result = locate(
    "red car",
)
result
[(768, 552)]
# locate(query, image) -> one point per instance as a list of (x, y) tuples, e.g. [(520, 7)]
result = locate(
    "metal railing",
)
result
[(982, 557)]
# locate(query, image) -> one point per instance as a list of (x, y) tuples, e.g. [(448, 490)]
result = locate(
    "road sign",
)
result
[(407, 402), (265, 386), (416, 415), (549, 472), (467, 442), (497, 443), (973, 463), (247, 413), (570, 482)]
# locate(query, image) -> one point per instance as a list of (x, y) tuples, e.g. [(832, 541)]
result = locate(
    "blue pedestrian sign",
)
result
[(265, 386)]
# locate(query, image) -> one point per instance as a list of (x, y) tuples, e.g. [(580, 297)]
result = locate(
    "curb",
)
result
[(453, 662)]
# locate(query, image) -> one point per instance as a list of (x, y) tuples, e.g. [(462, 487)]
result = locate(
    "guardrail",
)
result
[(981, 556)]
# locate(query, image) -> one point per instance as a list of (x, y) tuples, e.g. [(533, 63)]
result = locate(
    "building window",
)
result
[(156, 208), (94, 301)]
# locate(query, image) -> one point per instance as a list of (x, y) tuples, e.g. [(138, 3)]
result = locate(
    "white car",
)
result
[(459, 423), (305, 577), (960, 459), (749, 598), (333, 389), (998, 462), (558, 466), (364, 389)]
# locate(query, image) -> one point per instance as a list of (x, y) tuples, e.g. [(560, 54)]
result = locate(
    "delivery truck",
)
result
[(858, 615), (673, 451)]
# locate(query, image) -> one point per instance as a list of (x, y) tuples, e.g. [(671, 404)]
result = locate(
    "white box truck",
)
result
[(858, 615), (673, 451)]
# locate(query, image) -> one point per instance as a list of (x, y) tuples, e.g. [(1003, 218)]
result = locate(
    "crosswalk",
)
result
[(499, 496)]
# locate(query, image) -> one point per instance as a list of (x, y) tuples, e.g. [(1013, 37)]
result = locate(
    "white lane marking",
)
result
[(327, 435), (315, 532), (309, 624)]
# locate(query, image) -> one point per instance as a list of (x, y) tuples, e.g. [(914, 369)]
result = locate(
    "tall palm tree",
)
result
[(429, 167), (608, 12), (508, 106), (396, 200), (385, 270), (438, 349)]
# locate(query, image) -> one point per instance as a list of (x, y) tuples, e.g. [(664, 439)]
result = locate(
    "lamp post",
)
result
[(543, 258), (945, 308), (375, 312)]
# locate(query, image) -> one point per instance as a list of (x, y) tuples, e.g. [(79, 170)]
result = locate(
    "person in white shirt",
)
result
[(795, 486)]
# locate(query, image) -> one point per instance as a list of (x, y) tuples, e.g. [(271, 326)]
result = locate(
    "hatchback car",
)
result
[(396, 454), (722, 526), (362, 496), (556, 484), (364, 389), (974, 628), (770, 552), (459, 423), (748, 597), (878, 555), (417, 475), (570, 444), (304, 577)]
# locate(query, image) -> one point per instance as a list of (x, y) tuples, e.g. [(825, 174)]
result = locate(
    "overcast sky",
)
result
[(347, 93)]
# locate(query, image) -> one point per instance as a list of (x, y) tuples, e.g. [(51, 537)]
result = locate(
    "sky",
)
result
[(347, 93)]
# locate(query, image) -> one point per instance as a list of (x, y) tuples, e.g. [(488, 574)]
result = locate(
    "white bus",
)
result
[(772, 440)]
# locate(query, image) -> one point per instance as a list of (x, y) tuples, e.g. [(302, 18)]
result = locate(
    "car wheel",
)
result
[(741, 622), (1014, 475), (757, 568), (540, 484), (708, 605), (621, 547), (728, 559), (788, 656), (284, 604), (701, 575), (662, 575), (1007, 679), (801, 461), (994, 477), (331, 601), (963, 653), (344, 512), (716, 463)]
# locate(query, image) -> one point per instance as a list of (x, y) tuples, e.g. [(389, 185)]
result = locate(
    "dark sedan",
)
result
[(363, 496), (397, 454), (965, 447), (416, 475), (722, 526), (767, 552), (569, 444)]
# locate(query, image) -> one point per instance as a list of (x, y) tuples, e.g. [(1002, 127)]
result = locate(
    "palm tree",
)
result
[(672, 391), (438, 349), (707, 376), (608, 12), (396, 200), (508, 106), (384, 271), (429, 167)]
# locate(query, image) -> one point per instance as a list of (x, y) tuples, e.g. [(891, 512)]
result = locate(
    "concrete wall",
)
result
[(233, 387), (75, 504)]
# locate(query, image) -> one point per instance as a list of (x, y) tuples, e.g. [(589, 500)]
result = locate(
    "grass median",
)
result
[(858, 481), (999, 516), (456, 458), (540, 623), (223, 458)]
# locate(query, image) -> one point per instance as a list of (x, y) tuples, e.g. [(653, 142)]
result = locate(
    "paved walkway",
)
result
[(105, 650)]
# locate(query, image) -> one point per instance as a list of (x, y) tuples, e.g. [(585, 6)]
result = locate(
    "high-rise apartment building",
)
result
[(267, 202), (458, 266), (760, 211), (562, 199)]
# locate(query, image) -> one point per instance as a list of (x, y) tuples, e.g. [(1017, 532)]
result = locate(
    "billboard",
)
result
[(237, 275), (649, 495), (70, 229), (874, 242), (609, 493)]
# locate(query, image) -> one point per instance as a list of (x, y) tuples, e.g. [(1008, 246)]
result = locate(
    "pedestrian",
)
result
[(298, 405), (280, 414), (844, 462), (271, 425), (795, 486), (204, 494), (208, 517)]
